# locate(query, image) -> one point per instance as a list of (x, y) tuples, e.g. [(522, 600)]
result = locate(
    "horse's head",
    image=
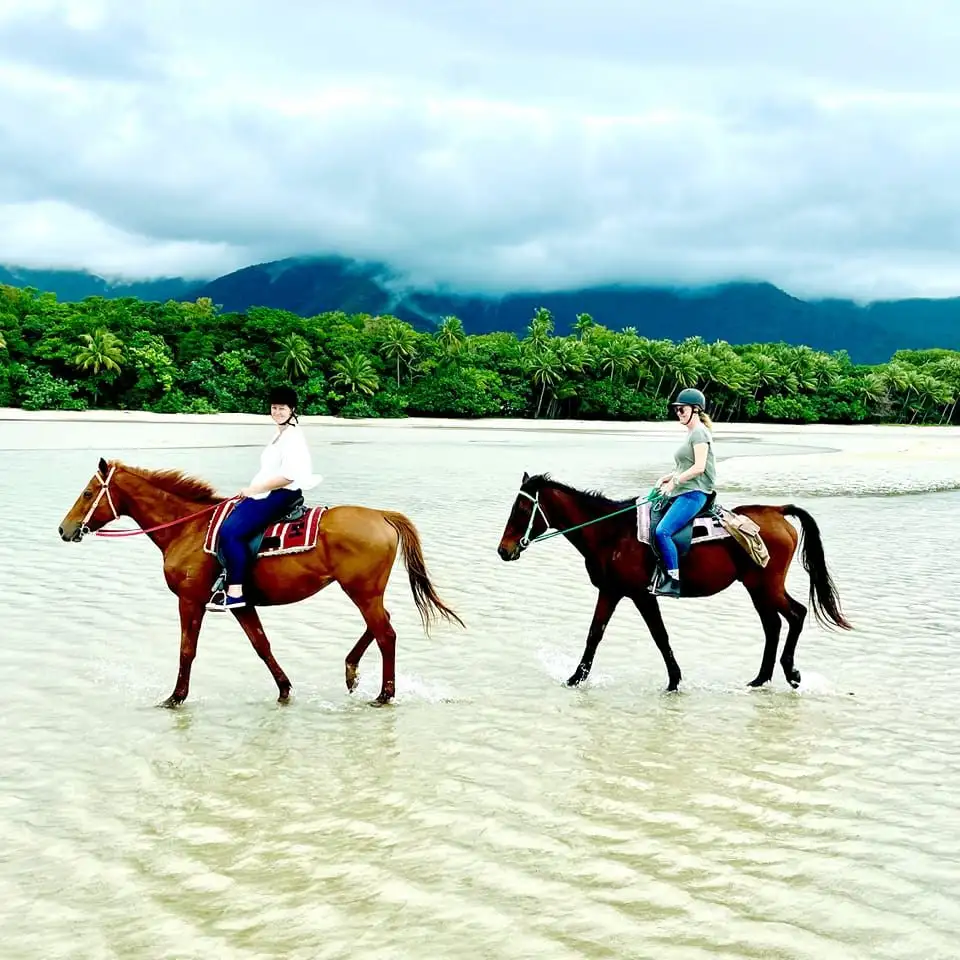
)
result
[(94, 508), (525, 523)]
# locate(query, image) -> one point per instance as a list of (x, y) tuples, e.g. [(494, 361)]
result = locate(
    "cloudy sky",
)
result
[(487, 144)]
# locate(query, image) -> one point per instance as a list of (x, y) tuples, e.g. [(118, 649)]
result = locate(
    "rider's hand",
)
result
[(247, 492)]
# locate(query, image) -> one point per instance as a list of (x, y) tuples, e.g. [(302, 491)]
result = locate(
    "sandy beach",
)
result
[(432, 423)]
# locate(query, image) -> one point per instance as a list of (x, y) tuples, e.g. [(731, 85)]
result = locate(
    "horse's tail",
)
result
[(429, 604), (824, 598)]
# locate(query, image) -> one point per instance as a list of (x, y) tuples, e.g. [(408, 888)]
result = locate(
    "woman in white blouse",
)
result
[(285, 472)]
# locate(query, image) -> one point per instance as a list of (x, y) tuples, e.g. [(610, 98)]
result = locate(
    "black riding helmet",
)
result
[(690, 397), (284, 395), (288, 397)]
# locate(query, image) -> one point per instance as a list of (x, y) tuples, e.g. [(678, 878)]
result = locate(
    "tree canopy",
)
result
[(189, 357)]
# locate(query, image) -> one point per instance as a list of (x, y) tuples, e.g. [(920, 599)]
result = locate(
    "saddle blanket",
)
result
[(287, 536), (704, 528)]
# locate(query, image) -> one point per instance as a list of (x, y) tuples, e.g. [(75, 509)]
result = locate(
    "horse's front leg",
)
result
[(606, 604), (249, 619), (191, 616), (650, 611)]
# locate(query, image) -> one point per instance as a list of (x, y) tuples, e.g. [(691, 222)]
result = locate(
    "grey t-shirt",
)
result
[(684, 459)]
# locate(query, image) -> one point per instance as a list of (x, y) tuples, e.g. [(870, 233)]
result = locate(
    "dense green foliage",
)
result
[(188, 357)]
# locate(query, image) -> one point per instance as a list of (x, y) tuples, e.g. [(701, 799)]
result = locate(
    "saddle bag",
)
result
[(747, 534)]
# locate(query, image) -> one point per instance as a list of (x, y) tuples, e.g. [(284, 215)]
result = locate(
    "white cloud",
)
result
[(809, 144)]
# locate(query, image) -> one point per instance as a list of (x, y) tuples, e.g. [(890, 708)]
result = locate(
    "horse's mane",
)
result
[(597, 497), (177, 483)]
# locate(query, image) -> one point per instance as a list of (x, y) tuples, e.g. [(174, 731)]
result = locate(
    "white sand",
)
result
[(887, 432)]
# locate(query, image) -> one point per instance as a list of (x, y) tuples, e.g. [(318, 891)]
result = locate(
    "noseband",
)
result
[(534, 510), (104, 491)]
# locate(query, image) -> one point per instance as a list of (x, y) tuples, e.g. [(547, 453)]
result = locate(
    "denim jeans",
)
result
[(684, 508), (246, 520)]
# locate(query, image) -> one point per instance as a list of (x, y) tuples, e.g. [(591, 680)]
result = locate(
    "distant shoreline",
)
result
[(16, 414)]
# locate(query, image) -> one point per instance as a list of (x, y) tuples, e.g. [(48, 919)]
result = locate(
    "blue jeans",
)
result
[(684, 508), (247, 519)]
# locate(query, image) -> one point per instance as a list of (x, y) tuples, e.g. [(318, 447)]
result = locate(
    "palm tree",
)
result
[(296, 354), (398, 341), (545, 369), (356, 373), (540, 329), (101, 350), (450, 335), (585, 323), (619, 355)]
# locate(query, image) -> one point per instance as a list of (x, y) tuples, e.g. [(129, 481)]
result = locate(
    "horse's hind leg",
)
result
[(352, 663), (380, 629), (766, 606), (796, 614), (249, 619)]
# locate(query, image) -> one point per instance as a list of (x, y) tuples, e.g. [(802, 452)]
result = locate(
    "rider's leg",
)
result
[(248, 518), (684, 508)]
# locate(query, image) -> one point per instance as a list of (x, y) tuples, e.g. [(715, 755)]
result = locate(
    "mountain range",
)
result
[(735, 312)]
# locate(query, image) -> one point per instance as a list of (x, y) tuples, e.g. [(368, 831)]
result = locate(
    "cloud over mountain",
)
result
[(808, 144)]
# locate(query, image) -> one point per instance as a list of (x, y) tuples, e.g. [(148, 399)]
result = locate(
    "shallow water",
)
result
[(492, 812)]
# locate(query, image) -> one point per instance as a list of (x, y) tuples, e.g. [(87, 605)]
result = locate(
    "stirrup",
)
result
[(667, 587), (225, 603)]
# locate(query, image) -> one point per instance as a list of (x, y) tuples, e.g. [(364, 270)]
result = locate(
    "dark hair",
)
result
[(284, 395)]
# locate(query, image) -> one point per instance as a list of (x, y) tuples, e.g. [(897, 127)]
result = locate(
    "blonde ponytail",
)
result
[(706, 421)]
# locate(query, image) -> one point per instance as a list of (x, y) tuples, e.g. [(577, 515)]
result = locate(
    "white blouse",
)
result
[(287, 455)]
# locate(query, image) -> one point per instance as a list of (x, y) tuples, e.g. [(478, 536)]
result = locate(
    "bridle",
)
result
[(104, 491), (534, 510)]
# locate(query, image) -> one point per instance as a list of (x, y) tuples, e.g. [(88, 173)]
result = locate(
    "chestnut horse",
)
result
[(356, 547), (619, 565)]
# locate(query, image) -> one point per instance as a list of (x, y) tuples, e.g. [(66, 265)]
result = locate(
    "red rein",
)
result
[(162, 526)]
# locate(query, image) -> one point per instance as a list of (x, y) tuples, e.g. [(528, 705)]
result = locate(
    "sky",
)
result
[(489, 146)]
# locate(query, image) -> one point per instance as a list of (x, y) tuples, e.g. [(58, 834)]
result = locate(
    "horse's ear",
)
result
[(526, 477), (104, 469)]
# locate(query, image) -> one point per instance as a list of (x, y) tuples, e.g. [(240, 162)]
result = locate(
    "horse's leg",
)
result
[(796, 614), (766, 606), (606, 604), (352, 664), (191, 616), (249, 619), (380, 628), (650, 611)]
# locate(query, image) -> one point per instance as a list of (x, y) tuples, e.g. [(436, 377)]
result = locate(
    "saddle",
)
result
[(684, 537), (711, 522), (296, 531)]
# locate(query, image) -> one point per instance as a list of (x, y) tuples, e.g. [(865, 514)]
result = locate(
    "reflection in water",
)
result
[(492, 812)]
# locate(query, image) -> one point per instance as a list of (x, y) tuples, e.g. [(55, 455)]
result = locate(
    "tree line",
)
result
[(189, 357)]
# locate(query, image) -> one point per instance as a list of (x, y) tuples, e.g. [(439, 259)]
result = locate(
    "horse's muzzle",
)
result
[(71, 533), (512, 554)]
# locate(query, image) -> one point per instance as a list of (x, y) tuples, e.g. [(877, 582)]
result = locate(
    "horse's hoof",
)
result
[(171, 703), (794, 679), (284, 698), (758, 682), (381, 702), (574, 681)]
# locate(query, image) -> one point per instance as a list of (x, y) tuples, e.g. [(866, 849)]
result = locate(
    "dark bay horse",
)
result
[(356, 547), (619, 565)]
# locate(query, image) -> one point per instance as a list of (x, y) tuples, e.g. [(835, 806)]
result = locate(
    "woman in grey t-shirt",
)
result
[(687, 486)]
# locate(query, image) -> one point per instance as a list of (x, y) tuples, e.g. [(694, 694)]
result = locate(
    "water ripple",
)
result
[(492, 812)]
